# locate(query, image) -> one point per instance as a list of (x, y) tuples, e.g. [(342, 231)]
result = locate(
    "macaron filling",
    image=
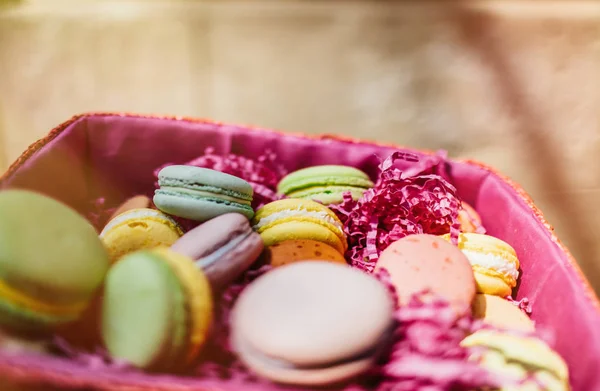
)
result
[(330, 181), (284, 214), (311, 192), (493, 262), (183, 185), (368, 354), (207, 261), (208, 192), (19, 299), (212, 197)]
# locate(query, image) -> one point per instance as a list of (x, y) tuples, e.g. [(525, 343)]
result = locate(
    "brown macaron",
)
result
[(498, 312), (223, 247), (312, 323), (291, 251)]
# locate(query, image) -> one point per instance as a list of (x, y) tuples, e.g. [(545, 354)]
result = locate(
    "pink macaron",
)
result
[(418, 263)]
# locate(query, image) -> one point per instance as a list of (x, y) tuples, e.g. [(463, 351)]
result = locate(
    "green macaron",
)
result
[(157, 310), (200, 194), (51, 262), (325, 184)]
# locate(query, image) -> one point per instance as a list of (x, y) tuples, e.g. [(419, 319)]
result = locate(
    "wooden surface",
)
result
[(514, 84)]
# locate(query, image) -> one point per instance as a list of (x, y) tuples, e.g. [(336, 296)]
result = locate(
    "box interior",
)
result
[(114, 156)]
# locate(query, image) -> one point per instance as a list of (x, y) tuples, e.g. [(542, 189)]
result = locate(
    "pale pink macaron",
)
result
[(423, 262), (312, 323)]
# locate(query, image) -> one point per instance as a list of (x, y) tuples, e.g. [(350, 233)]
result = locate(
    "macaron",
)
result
[(223, 247), (494, 262), (139, 229), (325, 184), (135, 202), (498, 312), (312, 323), (290, 251), (157, 310), (51, 262), (422, 262), (200, 194), (526, 363), (468, 218), (293, 219)]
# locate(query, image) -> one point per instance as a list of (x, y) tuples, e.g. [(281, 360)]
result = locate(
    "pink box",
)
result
[(114, 156)]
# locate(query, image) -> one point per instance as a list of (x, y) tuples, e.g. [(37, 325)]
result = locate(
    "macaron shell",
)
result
[(328, 195), (426, 262), (501, 313), (49, 253), (188, 176), (30, 321), (142, 296), (200, 208), (305, 377), (294, 230), (491, 283), (293, 204), (198, 296), (227, 243), (324, 175), (291, 251), (313, 313), (139, 229), (528, 352)]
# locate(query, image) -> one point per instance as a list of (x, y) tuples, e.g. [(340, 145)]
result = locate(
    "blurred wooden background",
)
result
[(515, 84)]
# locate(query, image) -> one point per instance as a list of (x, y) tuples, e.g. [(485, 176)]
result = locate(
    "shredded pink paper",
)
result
[(400, 204), (523, 304)]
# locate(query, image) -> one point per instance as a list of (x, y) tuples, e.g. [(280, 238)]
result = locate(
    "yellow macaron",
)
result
[(526, 361), (294, 219), (495, 263), (139, 229), (501, 313)]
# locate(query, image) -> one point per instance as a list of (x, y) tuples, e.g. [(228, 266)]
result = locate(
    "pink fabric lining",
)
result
[(114, 157)]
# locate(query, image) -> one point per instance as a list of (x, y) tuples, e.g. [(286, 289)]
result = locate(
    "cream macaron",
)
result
[(139, 229), (494, 262)]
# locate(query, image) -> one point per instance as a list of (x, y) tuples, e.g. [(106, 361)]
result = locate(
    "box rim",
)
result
[(522, 194)]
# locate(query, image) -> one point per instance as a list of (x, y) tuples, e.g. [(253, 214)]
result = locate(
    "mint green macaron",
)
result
[(325, 184), (201, 194)]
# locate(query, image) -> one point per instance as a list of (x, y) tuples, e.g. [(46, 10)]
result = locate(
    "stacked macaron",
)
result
[(326, 184), (296, 229)]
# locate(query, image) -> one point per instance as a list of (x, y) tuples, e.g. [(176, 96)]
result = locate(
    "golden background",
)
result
[(515, 84)]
